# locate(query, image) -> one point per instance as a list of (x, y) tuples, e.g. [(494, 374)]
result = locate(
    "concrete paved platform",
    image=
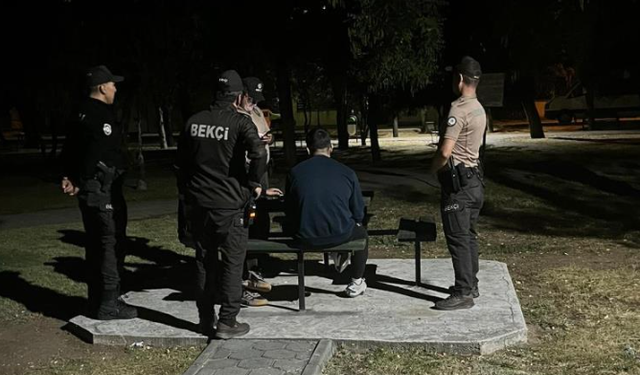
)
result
[(392, 311)]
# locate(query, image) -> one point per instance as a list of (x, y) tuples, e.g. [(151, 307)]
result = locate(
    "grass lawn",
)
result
[(571, 240), (41, 288), (36, 182), (562, 215)]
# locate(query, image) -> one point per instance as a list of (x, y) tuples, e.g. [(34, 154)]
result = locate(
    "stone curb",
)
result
[(202, 358), (321, 355)]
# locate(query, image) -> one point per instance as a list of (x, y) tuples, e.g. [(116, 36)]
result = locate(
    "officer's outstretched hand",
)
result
[(256, 192), (68, 188)]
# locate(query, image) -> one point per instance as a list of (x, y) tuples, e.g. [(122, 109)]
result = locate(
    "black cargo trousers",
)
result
[(104, 215), (220, 238), (460, 211)]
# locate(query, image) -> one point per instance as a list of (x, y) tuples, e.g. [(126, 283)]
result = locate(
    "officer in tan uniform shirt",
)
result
[(459, 171)]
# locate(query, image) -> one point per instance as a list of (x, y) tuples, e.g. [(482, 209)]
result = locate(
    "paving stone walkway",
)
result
[(262, 357)]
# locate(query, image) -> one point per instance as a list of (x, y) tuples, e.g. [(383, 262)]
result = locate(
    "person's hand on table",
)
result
[(274, 192)]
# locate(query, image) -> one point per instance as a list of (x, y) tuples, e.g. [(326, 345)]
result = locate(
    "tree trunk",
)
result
[(54, 135), (161, 132), (374, 116), (395, 126), (306, 121), (423, 121), (286, 111), (340, 94), (142, 184), (590, 108), (526, 88), (167, 109), (5, 121), (535, 125), (306, 110), (47, 125), (489, 120), (28, 117), (364, 121)]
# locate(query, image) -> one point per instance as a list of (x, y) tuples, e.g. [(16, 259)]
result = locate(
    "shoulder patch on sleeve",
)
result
[(452, 121)]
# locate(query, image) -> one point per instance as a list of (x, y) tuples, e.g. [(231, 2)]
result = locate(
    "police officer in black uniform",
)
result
[(94, 164), (217, 187), (457, 163)]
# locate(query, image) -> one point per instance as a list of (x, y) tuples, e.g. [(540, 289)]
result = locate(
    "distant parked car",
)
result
[(573, 105)]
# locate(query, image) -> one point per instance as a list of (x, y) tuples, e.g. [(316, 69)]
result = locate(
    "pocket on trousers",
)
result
[(452, 213), (100, 201), (92, 196)]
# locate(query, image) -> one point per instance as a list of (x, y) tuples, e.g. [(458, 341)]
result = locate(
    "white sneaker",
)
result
[(355, 288)]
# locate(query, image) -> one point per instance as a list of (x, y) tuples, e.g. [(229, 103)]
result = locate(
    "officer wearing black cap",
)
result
[(249, 105), (459, 171), (94, 164), (217, 186), (253, 281)]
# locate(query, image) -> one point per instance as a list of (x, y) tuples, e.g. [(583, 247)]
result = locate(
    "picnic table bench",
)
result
[(288, 245), (409, 230)]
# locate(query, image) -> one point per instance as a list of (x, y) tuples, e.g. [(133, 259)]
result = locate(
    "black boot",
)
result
[(456, 301), (231, 330), (112, 308)]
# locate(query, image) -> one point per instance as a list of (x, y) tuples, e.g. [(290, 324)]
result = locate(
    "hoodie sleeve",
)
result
[(356, 203)]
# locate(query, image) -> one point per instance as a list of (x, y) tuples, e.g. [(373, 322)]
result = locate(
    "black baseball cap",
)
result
[(101, 74), (253, 86), (469, 67), (230, 81)]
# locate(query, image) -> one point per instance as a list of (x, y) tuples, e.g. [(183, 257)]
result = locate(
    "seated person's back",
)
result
[(325, 207), (324, 200)]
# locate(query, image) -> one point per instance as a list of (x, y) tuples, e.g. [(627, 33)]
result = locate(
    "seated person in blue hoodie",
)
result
[(325, 206)]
